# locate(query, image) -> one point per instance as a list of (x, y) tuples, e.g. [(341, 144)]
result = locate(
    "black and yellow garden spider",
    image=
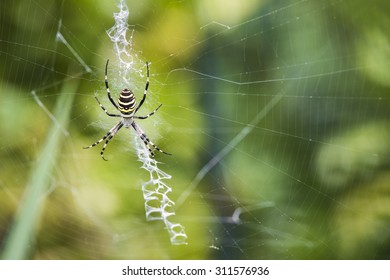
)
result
[(127, 108)]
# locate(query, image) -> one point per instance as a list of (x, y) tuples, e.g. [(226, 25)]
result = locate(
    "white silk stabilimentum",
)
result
[(158, 206)]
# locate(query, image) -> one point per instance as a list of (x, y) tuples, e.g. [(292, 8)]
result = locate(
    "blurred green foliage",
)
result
[(310, 181)]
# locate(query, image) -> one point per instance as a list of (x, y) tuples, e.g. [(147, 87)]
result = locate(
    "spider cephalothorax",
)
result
[(127, 106)]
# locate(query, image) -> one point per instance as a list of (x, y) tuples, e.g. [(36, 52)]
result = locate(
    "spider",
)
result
[(127, 108)]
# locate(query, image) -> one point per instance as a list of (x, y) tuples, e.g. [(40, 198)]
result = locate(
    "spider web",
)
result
[(276, 113)]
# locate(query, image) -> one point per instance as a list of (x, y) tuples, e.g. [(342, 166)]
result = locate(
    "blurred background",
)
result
[(276, 113)]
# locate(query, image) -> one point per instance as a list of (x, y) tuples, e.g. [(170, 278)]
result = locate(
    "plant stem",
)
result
[(19, 240)]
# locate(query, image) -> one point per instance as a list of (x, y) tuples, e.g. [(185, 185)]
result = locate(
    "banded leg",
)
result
[(146, 88), (107, 87), (148, 115), (107, 136), (147, 141), (104, 109), (113, 131)]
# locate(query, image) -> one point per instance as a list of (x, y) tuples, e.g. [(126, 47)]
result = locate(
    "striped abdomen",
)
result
[(126, 102)]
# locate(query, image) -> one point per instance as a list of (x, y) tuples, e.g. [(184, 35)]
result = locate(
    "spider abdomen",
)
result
[(126, 102)]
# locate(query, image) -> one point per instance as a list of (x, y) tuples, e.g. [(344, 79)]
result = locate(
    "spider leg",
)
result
[(107, 136), (104, 109), (146, 88), (146, 140), (98, 142), (148, 115), (107, 87), (114, 130)]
